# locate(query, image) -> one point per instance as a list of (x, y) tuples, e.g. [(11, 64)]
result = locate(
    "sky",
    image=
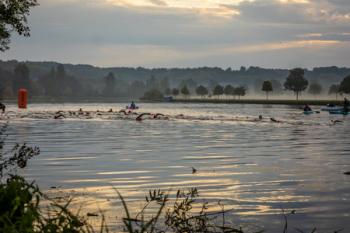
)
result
[(188, 33)]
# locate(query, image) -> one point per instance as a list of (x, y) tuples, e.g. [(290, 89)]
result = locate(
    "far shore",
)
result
[(64, 100), (260, 101)]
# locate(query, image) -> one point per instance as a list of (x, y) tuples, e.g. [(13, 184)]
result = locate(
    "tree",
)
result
[(189, 83), (175, 92), (315, 89), (152, 83), (267, 87), (229, 90), (6, 89), (218, 90), (168, 91), (276, 86), (137, 88), (212, 84), (13, 17), (153, 95), (296, 82), (21, 78), (345, 85), (334, 89), (109, 85), (185, 91), (240, 91), (202, 91), (163, 84), (61, 72)]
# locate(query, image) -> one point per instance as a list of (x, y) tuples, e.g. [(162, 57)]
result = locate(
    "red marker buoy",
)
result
[(22, 98)]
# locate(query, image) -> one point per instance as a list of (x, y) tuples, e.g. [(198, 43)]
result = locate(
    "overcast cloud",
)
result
[(188, 33)]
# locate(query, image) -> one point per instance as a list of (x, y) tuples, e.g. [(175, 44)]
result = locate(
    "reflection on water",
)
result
[(257, 168)]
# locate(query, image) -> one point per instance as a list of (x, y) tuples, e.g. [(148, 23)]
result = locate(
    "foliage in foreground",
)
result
[(20, 200)]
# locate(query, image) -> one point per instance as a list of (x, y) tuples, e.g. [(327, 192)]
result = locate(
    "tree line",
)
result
[(58, 83)]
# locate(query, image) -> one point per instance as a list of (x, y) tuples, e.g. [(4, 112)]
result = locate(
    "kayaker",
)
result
[(307, 108), (2, 107), (132, 105), (346, 105)]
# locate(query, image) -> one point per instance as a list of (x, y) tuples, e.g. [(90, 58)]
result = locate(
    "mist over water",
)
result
[(256, 168)]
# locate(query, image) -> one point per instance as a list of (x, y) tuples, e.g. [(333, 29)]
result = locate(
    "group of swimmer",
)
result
[(132, 114)]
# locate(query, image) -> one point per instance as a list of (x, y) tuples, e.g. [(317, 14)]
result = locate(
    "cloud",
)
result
[(188, 33), (158, 2)]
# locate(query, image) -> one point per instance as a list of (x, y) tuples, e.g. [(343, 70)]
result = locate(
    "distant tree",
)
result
[(185, 91), (152, 83), (6, 89), (218, 90), (267, 87), (137, 88), (163, 84), (240, 91), (276, 86), (334, 89), (168, 91), (242, 69), (175, 92), (202, 91), (296, 82), (345, 85), (61, 72), (315, 89), (212, 84), (189, 83), (109, 88), (153, 95), (13, 17), (229, 90), (21, 78)]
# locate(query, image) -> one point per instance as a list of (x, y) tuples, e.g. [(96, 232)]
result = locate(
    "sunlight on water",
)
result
[(255, 167)]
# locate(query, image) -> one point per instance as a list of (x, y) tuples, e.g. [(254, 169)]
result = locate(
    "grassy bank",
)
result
[(260, 101)]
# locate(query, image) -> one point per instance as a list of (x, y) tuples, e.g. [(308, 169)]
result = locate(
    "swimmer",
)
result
[(2, 107), (336, 121), (123, 111), (258, 119), (274, 120), (157, 115), (139, 118), (59, 116), (110, 110)]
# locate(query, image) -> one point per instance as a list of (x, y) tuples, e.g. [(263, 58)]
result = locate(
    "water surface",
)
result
[(256, 167)]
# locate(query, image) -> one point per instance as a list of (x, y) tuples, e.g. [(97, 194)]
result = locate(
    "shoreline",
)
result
[(260, 101), (35, 100)]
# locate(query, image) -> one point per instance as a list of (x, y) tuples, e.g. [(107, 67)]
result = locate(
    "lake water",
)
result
[(255, 167)]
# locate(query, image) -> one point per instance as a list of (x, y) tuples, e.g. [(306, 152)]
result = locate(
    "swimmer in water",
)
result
[(274, 120), (139, 118), (59, 115), (2, 107), (346, 105)]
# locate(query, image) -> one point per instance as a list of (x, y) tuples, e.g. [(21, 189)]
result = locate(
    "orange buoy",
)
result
[(22, 98)]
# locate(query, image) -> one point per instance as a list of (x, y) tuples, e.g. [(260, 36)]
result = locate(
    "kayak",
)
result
[(129, 108), (331, 108), (308, 112), (341, 112)]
